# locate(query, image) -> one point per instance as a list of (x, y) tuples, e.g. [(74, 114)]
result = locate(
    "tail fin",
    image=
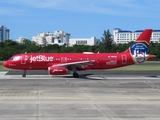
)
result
[(139, 48)]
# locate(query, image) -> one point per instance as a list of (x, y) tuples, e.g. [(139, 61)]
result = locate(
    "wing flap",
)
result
[(76, 64)]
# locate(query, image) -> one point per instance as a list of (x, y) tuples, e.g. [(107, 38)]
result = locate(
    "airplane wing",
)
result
[(79, 64)]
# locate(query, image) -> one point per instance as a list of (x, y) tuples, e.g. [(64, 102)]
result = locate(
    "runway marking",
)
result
[(45, 97), (125, 77), (152, 85), (70, 77)]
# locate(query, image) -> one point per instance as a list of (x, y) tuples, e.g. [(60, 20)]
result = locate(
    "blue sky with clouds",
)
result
[(80, 18)]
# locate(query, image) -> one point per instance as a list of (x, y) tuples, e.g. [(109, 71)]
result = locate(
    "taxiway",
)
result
[(90, 97)]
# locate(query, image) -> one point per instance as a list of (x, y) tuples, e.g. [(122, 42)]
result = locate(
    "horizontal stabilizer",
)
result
[(143, 58)]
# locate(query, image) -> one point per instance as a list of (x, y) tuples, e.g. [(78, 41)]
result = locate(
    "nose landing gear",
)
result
[(24, 73)]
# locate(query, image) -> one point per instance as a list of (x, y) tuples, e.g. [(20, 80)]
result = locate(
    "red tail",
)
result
[(139, 48), (145, 36)]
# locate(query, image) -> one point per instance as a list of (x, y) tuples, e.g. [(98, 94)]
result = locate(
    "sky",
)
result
[(80, 18)]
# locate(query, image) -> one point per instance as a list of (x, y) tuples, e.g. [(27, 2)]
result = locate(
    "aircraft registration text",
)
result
[(112, 60)]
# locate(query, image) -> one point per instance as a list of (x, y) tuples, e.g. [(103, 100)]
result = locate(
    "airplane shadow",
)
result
[(155, 76), (84, 76), (29, 72)]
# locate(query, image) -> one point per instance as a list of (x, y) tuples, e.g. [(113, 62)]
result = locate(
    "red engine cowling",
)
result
[(57, 70)]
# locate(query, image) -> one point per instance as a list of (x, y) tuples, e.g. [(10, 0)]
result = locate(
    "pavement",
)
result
[(103, 95)]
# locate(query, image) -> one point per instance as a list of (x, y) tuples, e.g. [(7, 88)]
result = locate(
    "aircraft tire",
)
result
[(24, 75), (75, 75)]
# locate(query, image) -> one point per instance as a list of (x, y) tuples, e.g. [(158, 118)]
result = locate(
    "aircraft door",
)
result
[(124, 59), (23, 59)]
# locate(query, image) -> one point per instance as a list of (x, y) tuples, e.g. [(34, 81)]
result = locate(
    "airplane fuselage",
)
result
[(41, 61)]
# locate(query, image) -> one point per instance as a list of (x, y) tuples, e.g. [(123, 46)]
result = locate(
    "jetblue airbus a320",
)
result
[(63, 63)]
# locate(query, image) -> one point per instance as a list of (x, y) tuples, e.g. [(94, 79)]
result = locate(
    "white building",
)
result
[(125, 36), (40, 38), (84, 41), (20, 39), (46, 38)]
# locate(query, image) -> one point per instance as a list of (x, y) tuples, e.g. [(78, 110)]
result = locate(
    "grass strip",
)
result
[(139, 67)]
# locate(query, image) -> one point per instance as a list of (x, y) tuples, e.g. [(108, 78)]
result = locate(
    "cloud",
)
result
[(135, 8), (4, 11), (10, 11)]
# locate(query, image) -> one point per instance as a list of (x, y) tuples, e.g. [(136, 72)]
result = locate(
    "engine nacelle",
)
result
[(57, 70)]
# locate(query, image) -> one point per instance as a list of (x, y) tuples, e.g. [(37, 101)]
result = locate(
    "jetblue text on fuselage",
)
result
[(41, 58)]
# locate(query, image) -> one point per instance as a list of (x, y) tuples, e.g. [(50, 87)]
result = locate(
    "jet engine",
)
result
[(57, 70)]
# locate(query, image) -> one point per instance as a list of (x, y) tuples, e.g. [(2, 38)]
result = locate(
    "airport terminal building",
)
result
[(125, 36)]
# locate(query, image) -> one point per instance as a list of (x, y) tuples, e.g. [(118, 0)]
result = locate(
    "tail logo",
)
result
[(138, 51)]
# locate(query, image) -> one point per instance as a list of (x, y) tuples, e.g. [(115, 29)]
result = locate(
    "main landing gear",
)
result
[(24, 73), (76, 75)]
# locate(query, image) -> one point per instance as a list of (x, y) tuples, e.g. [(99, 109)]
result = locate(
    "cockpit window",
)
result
[(15, 58), (11, 58)]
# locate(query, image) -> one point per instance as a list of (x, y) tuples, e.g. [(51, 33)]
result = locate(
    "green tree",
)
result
[(27, 41), (154, 48), (9, 43), (107, 41)]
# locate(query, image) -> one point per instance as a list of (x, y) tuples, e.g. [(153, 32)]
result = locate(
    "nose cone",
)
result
[(5, 64)]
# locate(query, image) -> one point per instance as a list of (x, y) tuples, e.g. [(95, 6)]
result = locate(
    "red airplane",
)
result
[(62, 63)]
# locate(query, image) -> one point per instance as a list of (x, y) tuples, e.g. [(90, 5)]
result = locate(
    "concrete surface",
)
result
[(90, 97)]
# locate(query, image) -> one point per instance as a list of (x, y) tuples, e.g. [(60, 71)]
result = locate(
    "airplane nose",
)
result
[(5, 64)]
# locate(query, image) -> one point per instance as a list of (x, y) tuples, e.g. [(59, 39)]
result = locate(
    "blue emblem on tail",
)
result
[(138, 51)]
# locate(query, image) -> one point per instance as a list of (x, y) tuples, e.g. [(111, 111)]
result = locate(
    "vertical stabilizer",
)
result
[(139, 48)]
